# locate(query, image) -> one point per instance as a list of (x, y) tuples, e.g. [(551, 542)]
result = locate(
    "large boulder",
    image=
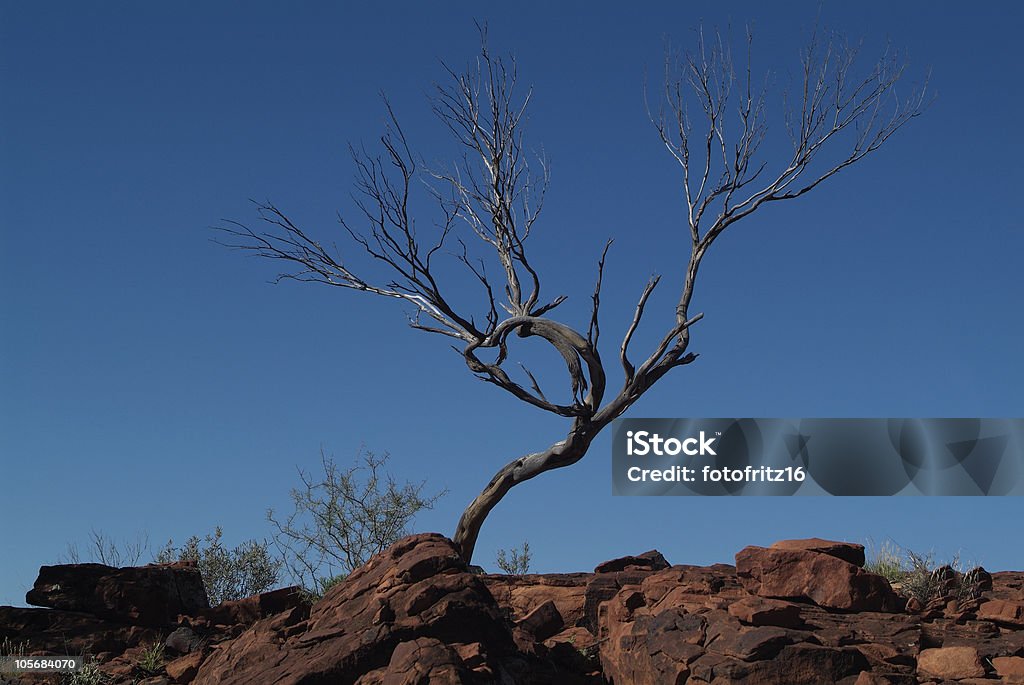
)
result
[(950, 663), (823, 577), (153, 595)]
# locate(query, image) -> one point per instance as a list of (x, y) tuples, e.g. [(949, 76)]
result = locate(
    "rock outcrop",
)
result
[(820, 573), (153, 595), (797, 612), (409, 615)]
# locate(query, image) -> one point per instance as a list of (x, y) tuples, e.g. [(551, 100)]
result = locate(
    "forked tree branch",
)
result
[(711, 120)]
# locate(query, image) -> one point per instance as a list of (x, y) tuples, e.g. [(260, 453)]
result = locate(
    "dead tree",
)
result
[(711, 119)]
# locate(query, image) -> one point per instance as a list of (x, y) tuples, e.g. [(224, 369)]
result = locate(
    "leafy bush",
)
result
[(343, 518), (514, 562), (228, 574)]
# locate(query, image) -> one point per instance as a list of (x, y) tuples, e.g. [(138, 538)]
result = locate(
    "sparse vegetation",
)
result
[(887, 561), (920, 580), (151, 661), (103, 549), (340, 520), (343, 518), (920, 576), (9, 648), (514, 562), (327, 583), (248, 569), (88, 674)]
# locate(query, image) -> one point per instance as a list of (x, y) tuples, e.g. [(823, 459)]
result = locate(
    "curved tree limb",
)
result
[(712, 121)]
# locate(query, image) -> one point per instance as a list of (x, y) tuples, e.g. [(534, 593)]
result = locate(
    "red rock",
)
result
[(152, 595), (798, 664), (759, 611), (251, 609), (414, 614), (50, 631), (542, 622), (1002, 611), (576, 636), (951, 663), (869, 678), (885, 657), (847, 551), (184, 669), (1009, 668), (423, 660), (750, 644), (603, 587), (692, 580), (648, 561), (826, 580), (393, 620), (473, 655), (519, 595), (648, 649)]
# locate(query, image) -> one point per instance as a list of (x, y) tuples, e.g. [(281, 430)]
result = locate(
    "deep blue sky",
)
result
[(151, 380)]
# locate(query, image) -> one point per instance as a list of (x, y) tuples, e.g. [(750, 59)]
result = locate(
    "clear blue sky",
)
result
[(153, 381)]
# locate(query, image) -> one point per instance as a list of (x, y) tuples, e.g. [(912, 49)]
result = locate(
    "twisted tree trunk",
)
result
[(564, 453)]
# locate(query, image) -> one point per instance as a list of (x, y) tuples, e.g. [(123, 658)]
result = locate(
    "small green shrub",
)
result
[(151, 661), (88, 674), (343, 517), (327, 583), (887, 561), (243, 571), (514, 562)]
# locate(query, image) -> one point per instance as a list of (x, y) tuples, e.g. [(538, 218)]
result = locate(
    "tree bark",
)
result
[(561, 454)]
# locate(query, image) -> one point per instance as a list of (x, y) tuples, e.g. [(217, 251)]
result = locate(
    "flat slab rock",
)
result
[(152, 595), (847, 551)]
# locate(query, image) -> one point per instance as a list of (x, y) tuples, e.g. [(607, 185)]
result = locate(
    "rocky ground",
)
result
[(800, 611)]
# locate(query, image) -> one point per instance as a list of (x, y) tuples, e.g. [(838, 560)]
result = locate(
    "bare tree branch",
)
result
[(712, 120)]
